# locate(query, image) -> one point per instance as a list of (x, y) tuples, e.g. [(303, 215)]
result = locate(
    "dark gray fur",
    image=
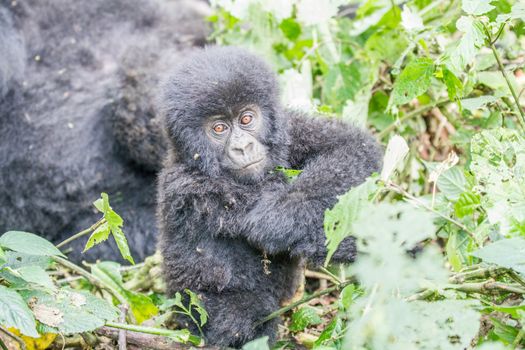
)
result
[(215, 228), (77, 80)]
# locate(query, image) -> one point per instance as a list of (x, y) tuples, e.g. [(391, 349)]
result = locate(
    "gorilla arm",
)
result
[(333, 157)]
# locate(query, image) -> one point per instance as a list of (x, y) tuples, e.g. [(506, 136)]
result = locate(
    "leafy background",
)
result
[(440, 232)]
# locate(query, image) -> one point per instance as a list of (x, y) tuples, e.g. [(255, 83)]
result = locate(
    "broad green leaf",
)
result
[(386, 45), (347, 296), (332, 334), (476, 7), (28, 243), (338, 221), (401, 325), (141, 305), (475, 103), (452, 183), (469, 44), (16, 260), (342, 83), (466, 204), (508, 253), (290, 28), (413, 81), (14, 312), (304, 317), (257, 344), (37, 275)]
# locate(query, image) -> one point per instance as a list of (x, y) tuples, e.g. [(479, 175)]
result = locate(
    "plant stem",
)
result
[(81, 233), (14, 337), (411, 115), (302, 301), (495, 52)]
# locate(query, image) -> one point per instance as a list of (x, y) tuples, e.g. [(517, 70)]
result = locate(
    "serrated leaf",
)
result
[(467, 203), (14, 312), (37, 275), (257, 344), (304, 317), (452, 183), (509, 253), (99, 235), (28, 243), (113, 225), (413, 81), (477, 7), (196, 305), (453, 84)]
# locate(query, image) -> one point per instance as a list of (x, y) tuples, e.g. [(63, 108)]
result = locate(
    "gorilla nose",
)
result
[(242, 150)]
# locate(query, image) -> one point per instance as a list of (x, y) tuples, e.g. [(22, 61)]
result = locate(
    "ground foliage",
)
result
[(440, 232)]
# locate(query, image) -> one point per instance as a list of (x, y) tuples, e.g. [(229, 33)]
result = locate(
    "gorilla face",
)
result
[(223, 115), (237, 137)]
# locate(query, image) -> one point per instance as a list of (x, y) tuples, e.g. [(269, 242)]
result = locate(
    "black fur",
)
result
[(76, 111), (215, 229)]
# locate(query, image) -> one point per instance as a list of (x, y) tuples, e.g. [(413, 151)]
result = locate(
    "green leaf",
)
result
[(342, 83), (469, 44), (453, 84), (291, 29), (304, 317), (99, 235), (477, 7), (196, 304), (347, 296), (28, 243), (14, 312), (413, 81), (290, 174), (475, 103), (467, 203), (112, 225), (509, 253), (141, 305), (338, 221), (37, 275), (452, 183), (257, 344)]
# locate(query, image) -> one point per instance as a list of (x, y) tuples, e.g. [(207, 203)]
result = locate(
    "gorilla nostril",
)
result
[(249, 147)]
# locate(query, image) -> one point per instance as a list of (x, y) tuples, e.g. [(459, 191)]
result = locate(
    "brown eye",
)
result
[(219, 128), (246, 119)]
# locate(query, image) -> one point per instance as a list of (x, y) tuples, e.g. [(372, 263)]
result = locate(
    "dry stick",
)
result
[(122, 342), (81, 233), (411, 115), (95, 281), (504, 72), (14, 337), (302, 301), (150, 341)]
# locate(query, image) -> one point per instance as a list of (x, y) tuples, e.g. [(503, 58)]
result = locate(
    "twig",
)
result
[(150, 341), (302, 301), (81, 233), (14, 337), (334, 277), (122, 342), (495, 52), (490, 271), (318, 275), (411, 115), (487, 287)]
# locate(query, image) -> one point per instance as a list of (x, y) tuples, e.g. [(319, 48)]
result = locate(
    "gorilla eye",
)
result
[(219, 128), (246, 118)]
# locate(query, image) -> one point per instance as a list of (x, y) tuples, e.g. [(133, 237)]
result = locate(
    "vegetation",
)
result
[(440, 232)]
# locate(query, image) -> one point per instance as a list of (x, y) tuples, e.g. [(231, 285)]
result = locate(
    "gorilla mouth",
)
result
[(252, 163)]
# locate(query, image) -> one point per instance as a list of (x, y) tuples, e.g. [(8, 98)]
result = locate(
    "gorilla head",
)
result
[(223, 114)]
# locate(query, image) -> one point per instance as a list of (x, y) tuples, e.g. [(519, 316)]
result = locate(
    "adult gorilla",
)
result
[(76, 83), (222, 206)]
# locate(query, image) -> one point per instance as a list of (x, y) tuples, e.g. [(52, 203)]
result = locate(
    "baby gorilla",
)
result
[(224, 209)]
